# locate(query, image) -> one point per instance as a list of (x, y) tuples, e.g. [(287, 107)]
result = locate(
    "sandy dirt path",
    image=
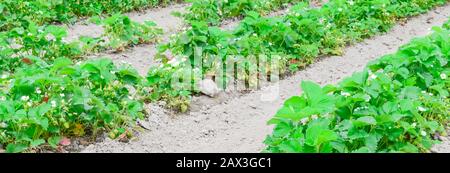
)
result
[(139, 56), (239, 124)]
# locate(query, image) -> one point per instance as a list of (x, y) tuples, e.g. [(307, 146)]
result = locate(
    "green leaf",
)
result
[(318, 133), (282, 129), (16, 148), (292, 109), (37, 142), (410, 92), (409, 148), (318, 100), (366, 120), (54, 141), (362, 150), (371, 142), (404, 72)]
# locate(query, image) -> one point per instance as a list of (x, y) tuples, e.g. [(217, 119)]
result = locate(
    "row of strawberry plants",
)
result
[(20, 13), (298, 38), (42, 103), (214, 12), (45, 98), (121, 32), (398, 103), (20, 45)]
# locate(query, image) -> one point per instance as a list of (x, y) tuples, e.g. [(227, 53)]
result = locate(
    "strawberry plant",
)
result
[(21, 44), (213, 12), (121, 31), (19, 13), (300, 36), (42, 102), (397, 104)]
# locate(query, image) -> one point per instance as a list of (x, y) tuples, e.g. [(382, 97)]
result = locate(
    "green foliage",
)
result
[(20, 13), (213, 12), (42, 102), (22, 44), (397, 104), (298, 37), (121, 32)]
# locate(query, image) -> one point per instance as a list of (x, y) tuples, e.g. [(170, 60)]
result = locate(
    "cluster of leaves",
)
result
[(120, 31), (298, 37), (214, 12), (42, 102), (397, 104), (20, 13), (21, 44), (44, 97)]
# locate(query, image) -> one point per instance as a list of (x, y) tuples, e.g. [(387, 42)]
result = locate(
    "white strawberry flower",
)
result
[(414, 125), (345, 94), (443, 76), (38, 91), (15, 46), (3, 125), (421, 109), (173, 62), (304, 121), (53, 103), (321, 20), (50, 37), (423, 133), (62, 95), (24, 98)]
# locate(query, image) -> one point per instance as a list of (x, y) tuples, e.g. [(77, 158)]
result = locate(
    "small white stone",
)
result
[(208, 87)]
